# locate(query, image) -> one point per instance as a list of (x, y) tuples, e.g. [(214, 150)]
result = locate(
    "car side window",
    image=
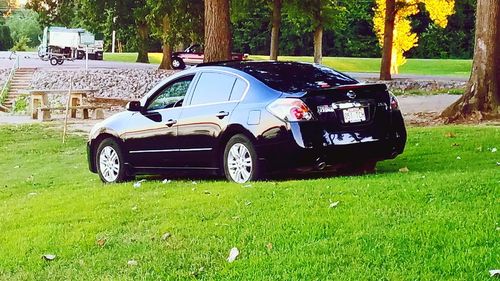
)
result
[(212, 88), (238, 90), (172, 95)]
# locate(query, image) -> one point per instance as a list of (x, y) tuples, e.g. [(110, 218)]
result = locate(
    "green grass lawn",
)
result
[(439, 221), (437, 67)]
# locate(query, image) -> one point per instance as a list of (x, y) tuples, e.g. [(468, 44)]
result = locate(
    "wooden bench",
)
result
[(45, 112)]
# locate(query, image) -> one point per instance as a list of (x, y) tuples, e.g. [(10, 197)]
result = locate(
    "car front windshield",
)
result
[(296, 77)]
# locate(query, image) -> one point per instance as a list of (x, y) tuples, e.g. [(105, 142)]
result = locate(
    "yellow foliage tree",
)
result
[(404, 39)]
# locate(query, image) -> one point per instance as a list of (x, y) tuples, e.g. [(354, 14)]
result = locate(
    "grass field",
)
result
[(439, 67), (439, 221)]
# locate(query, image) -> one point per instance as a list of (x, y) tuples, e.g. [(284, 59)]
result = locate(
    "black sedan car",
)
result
[(241, 119)]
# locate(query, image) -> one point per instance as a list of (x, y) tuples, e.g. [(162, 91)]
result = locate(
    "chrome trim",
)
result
[(170, 150)]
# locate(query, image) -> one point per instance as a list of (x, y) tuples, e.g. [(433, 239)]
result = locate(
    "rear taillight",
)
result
[(394, 102), (290, 110)]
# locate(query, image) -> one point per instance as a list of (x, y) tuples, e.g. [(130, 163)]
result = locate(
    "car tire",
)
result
[(109, 161), (240, 160), (178, 63), (54, 61)]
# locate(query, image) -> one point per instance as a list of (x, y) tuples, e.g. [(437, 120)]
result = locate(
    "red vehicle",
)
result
[(194, 55)]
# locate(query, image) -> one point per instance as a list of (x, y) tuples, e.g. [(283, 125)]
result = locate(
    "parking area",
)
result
[(31, 60)]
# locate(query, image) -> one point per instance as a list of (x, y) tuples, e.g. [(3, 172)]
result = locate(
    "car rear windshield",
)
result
[(296, 77)]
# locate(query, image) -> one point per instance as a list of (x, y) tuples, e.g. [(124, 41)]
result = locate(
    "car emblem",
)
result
[(351, 95)]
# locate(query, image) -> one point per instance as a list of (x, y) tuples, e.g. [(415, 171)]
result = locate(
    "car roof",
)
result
[(287, 76)]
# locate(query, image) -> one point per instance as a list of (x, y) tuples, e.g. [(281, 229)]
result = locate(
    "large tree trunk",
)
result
[(275, 31), (318, 43), (390, 14), (318, 31), (166, 61), (481, 99), (142, 38), (217, 31)]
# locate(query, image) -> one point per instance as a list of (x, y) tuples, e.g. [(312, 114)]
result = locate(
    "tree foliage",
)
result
[(6, 41), (24, 24), (404, 37)]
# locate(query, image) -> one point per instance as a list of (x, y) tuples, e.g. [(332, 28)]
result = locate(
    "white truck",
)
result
[(60, 43)]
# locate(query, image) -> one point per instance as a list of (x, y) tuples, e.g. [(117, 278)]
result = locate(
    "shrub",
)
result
[(21, 44), (6, 41)]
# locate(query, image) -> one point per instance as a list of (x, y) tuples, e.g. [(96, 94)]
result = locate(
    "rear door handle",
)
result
[(222, 114), (171, 122)]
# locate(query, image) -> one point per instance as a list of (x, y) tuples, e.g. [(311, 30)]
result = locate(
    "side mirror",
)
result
[(134, 106)]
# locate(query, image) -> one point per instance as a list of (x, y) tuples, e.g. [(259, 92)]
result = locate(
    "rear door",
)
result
[(207, 115)]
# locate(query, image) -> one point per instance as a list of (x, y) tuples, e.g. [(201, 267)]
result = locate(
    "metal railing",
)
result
[(5, 88)]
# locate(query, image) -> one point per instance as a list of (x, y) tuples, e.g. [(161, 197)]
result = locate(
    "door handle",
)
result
[(171, 122), (222, 114)]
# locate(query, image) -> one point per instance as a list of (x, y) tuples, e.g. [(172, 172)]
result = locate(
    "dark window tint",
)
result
[(238, 90), (295, 77), (171, 95), (213, 87)]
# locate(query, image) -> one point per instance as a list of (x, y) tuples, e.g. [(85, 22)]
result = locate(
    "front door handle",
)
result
[(171, 122), (222, 114)]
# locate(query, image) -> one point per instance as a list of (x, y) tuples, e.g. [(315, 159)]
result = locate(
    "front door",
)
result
[(154, 141)]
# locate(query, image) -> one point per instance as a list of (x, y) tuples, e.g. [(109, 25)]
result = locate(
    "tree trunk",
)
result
[(390, 14), (481, 99), (142, 38), (217, 31), (318, 43), (275, 31), (166, 61)]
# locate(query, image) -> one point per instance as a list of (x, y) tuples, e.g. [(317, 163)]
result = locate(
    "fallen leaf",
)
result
[(134, 208), (138, 184), (17, 167), (207, 192), (247, 185), (132, 263), (334, 204), (494, 149), (495, 273), (49, 257), (269, 246), (165, 236), (165, 181), (101, 242), (233, 254), (458, 157), (248, 203), (498, 163), (32, 194), (449, 135), (193, 182), (455, 144), (404, 170)]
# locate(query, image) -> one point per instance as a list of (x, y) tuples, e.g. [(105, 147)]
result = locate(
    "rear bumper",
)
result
[(308, 145)]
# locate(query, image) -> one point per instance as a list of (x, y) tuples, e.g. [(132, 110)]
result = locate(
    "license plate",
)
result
[(354, 115)]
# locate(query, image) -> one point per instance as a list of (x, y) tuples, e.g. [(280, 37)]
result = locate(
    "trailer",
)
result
[(61, 44)]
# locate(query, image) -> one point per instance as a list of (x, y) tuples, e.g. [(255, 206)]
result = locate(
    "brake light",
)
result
[(290, 110), (394, 102)]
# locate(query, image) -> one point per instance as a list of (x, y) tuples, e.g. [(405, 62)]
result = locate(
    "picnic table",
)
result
[(40, 108)]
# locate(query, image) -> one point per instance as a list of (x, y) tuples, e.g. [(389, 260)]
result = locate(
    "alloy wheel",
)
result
[(109, 164), (239, 163)]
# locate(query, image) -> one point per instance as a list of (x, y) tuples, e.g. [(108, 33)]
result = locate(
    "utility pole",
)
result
[(113, 36)]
